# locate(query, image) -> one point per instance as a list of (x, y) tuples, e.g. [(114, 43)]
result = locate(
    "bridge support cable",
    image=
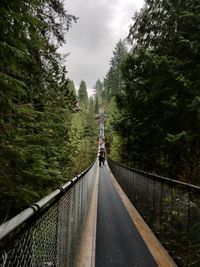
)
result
[(170, 208), (48, 233)]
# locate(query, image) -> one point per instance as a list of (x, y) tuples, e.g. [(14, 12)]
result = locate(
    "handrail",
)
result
[(158, 177), (170, 208), (49, 231), (22, 217)]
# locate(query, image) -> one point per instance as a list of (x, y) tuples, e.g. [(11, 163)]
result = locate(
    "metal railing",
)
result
[(48, 232), (170, 208)]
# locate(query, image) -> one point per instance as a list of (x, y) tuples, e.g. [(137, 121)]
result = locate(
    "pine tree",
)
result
[(82, 94), (98, 88), (35, 101), (160, 99), (96, 107), (113, 82), (91, 105), (71, 86)]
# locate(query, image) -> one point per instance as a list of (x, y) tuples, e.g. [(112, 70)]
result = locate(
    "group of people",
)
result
[(101, 143)]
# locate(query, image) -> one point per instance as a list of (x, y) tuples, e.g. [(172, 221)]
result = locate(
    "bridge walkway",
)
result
[(118, 242), (115, 234)]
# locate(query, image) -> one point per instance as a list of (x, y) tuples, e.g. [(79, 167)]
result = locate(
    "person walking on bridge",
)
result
[(101, 157)]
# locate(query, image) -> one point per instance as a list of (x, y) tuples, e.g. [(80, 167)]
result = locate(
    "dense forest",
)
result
[(152, 92), (47, 137)]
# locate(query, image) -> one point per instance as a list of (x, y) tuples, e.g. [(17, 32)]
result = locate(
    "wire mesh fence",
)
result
[(170, 208), (51, 236)]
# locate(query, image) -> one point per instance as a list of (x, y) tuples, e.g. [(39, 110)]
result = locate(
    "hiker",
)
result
[(100, 158), (102, 155)]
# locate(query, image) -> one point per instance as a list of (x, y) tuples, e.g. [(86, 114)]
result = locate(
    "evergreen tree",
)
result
[(96, 107), (113, 82), (71, 86), (160, 101), (91, 105), (98, 88), (35, 101), (82, 94), (84, 136)]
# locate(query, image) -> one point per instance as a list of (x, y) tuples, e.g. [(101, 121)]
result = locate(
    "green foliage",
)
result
[(84, 138), (98, 88), (36, 103), (91, 105), (113, 82), (96, 107), (83, 95), (113, 85), (160, 98), (114, 141), (183, 244), (98, 99), (71, 87)]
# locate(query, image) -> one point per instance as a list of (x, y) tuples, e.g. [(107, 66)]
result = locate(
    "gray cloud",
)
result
[(91, 41)]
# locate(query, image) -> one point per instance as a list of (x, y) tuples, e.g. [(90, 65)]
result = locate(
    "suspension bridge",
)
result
[(111, 215)]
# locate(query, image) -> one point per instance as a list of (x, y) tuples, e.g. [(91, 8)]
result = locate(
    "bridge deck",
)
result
[(118, 243)]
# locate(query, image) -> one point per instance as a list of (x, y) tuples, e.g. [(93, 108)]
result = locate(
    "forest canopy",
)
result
[(38, 105), (151, 94), (155, 109)]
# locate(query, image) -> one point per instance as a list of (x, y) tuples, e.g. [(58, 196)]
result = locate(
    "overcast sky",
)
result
[(92, 39)]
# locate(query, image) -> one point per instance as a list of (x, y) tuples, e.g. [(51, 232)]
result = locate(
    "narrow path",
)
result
[(118, 243)]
